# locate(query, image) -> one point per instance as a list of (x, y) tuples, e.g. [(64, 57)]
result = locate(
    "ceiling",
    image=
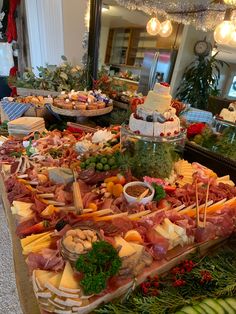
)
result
[(118, 16)]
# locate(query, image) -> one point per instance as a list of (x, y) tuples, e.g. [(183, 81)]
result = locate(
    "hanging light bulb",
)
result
[(223, 31), (230, 2), (153, 26), (166, 29), (232, 41)]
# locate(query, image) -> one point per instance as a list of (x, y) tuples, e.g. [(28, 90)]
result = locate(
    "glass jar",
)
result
[(151, 156), (72, 256)]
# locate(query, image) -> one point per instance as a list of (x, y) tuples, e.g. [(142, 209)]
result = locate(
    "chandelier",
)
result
[(230, 2), (202, 14)]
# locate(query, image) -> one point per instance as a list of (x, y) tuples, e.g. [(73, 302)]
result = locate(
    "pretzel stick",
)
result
[(205, 208), (197, 205)]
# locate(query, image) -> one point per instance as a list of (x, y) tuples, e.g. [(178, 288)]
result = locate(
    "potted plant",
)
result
[(200, 80)]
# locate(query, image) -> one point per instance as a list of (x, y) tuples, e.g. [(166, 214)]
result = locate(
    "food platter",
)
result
[(25, 288), (67, 194), (82, 113)]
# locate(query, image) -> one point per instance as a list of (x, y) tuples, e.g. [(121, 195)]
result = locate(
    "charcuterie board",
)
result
[(25, 289)]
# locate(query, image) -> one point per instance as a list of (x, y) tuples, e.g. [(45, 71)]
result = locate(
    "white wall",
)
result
[(186, 53), (229, 75), (103, 44), (74, 28)]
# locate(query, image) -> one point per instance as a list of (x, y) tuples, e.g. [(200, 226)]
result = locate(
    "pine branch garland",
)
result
[(211, 276)]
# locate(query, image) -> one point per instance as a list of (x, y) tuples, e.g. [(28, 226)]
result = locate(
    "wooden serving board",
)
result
[(25, 289), (156, 268), (24, 286), (82, 113)]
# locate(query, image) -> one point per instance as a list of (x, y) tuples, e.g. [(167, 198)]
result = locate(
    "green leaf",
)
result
[(64, 58), (64, 75)]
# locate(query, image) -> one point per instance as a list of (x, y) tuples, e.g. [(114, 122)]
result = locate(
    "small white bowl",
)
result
[(132, 199)]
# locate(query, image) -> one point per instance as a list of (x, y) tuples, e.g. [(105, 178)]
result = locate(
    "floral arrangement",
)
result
[(63, 77)]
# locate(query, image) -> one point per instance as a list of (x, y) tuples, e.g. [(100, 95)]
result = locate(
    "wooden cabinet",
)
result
[(126, 46)]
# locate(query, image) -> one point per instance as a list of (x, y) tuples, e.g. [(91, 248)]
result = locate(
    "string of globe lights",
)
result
[(206, 15)]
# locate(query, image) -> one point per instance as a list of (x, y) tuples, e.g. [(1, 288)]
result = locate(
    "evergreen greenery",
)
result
[(222, 268)]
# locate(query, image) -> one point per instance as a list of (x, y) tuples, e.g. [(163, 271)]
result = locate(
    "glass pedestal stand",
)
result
[(151, 156)]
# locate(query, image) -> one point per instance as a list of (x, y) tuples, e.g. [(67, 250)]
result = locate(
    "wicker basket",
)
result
[(81, 113)]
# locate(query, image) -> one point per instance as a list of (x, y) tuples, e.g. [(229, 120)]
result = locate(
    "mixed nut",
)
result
[(79, 241)]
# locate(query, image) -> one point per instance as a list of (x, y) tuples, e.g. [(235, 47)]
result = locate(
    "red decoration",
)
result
[(195, 129), (134, 102), (13, 73), (165, 84), (11, 23)]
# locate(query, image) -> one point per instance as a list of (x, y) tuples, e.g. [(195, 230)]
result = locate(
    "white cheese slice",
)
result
[(44, 303), (45, 294), (63, 311), (68, 301), (68, 282), (60, 307), (126, 248)]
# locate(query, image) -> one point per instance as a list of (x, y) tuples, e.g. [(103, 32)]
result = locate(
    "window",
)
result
[(232, 91)]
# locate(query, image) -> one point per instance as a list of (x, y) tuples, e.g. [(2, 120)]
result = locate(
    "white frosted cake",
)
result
[(156, 117), (230, 113)]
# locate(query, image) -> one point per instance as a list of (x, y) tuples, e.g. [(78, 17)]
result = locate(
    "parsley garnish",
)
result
[(97, 266), (159, 192)]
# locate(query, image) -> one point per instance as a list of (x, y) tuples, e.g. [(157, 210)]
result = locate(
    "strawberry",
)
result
[(37, 228)]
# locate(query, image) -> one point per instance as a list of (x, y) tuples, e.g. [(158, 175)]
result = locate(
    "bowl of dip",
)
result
[(138, 192)]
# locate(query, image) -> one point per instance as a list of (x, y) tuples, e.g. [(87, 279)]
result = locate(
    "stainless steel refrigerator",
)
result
[(157, 67)]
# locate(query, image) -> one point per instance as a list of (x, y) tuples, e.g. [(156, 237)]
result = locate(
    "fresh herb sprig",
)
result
[(190, 282), (159, 192), (97, 266)]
